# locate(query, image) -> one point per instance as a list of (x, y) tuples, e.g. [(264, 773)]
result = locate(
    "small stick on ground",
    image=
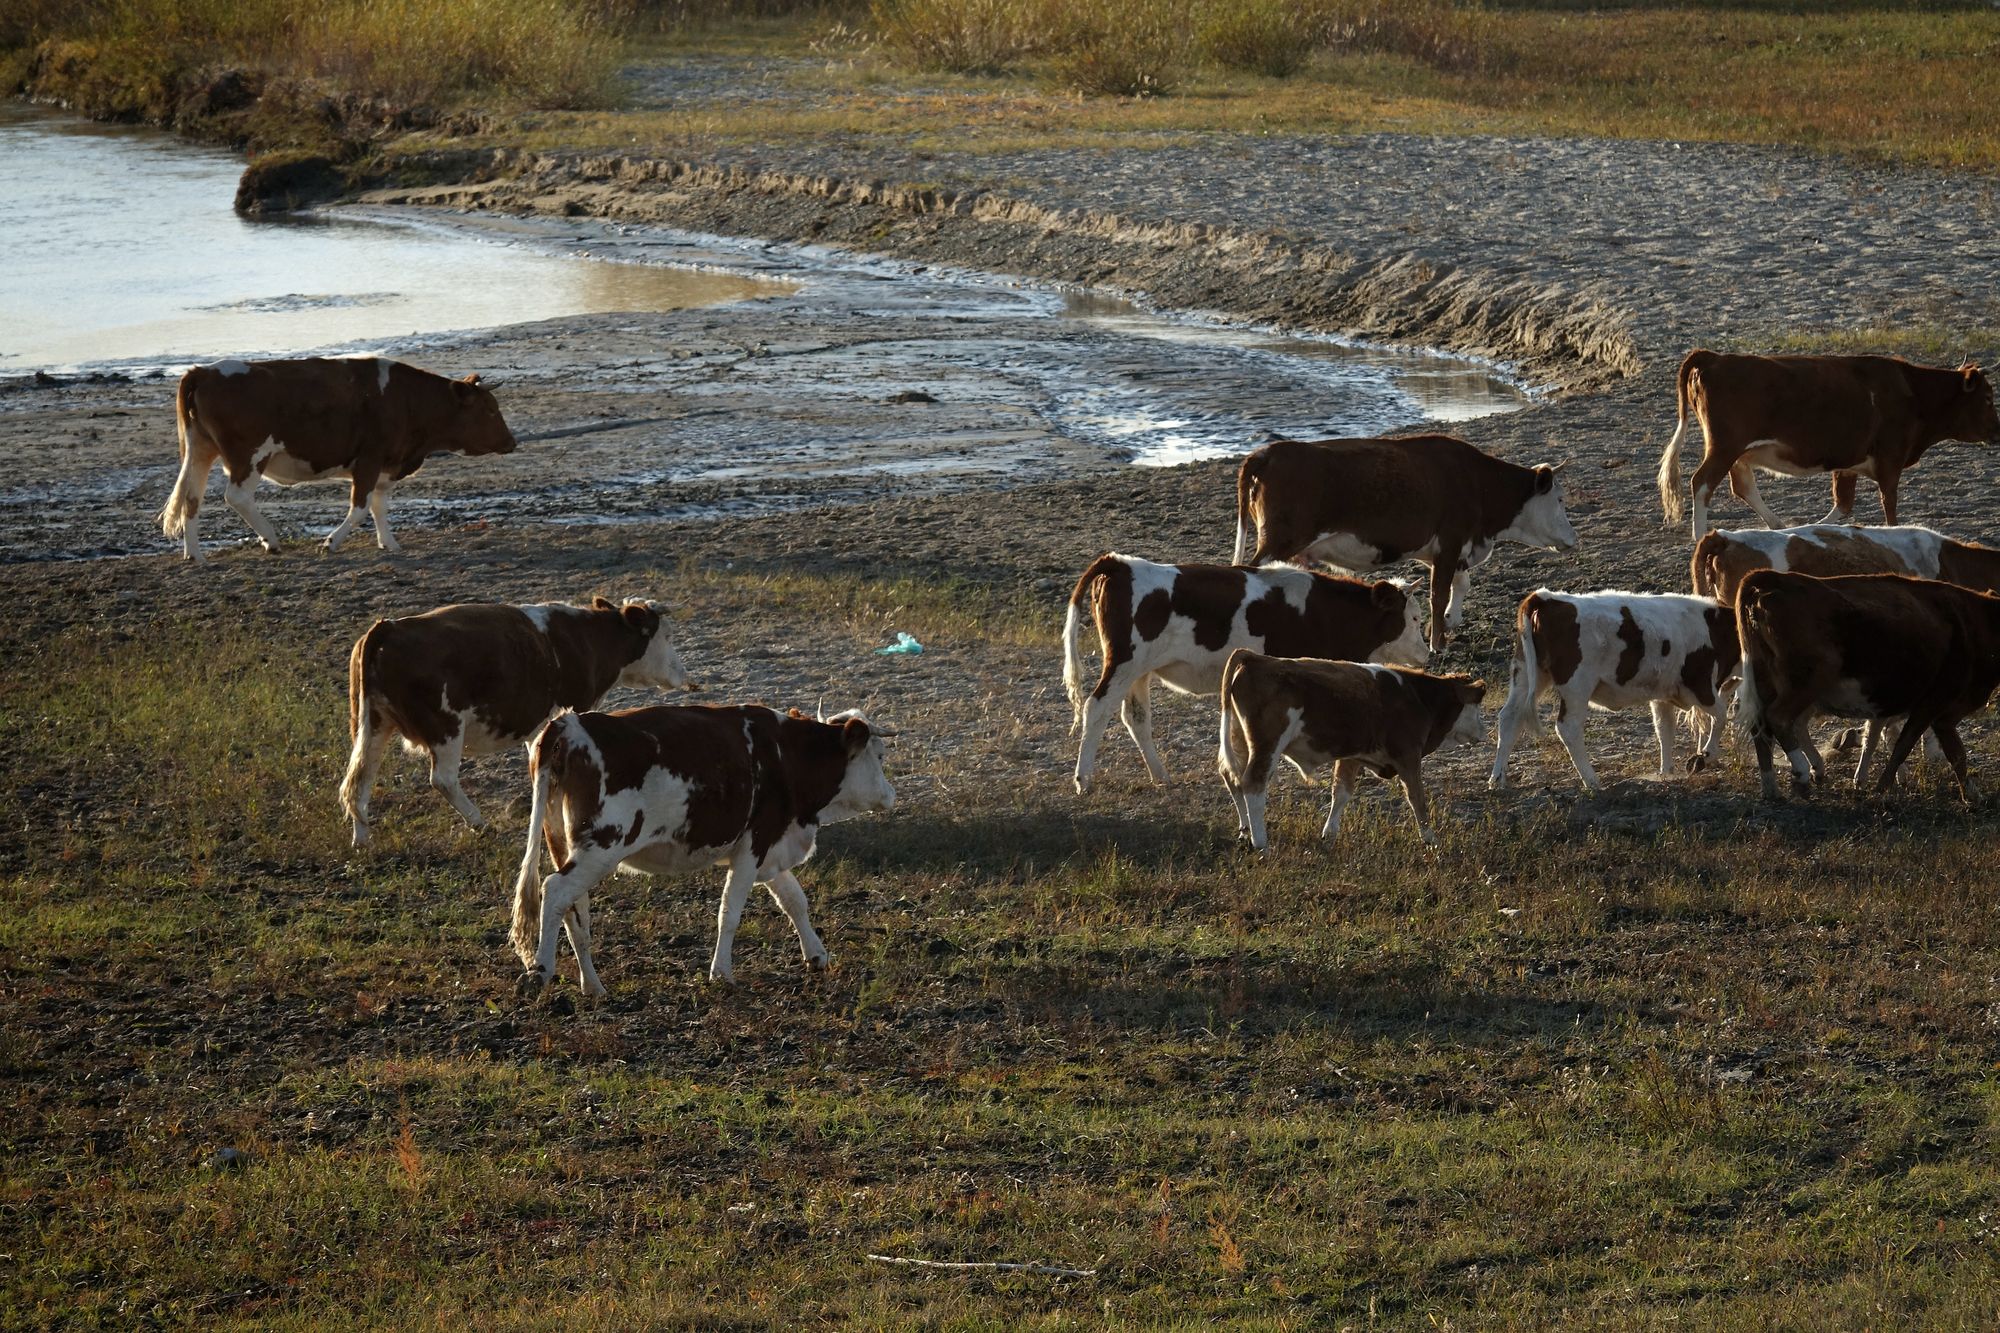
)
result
[(988, 1265)]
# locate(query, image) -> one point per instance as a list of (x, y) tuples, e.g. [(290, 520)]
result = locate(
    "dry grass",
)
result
[(1735, 1073)]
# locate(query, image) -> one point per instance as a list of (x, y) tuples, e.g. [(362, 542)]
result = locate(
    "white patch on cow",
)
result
[(382, 376), (660, 665), (1343, 550), (232, 366), (1543, 521), (1769, 456), (538, 613)]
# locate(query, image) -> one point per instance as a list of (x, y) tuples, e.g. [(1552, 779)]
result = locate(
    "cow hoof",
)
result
[(1696, 763), (1801, 788), (1083, 786), (531, 984), (716, 978), (595, 992), (818, 964), (1496, 784)]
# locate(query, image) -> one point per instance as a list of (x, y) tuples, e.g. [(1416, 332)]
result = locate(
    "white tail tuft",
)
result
[(526, 935), (1073, 661)]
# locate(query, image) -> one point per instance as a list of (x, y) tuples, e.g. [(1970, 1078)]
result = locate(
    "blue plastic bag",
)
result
[(903, 644)]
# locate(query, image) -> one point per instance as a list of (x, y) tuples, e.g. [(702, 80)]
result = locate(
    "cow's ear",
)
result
[(855, 735), (1388, 596), (1545, 479), (640, 617), (603, 604), (1472, 691), (1975, 379), (472, 378)]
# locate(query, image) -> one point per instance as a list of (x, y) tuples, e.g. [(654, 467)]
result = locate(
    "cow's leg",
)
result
[(1871, 736), (193, 484), (1444, 579), (735, 892), (445, 758), (378, 508), (1409, 772), (1708, 475), (560, 892), (1518, 711), (1346, 772), (1098, 709), (1743, 480), (791, 900), (1229, 762), (1461, 592), (1914, 727), (1569, 726), (1257, 777), (1710, 722), (1954, 752), (1843, 499), (576, 924), (241, 493), (371, 743), (1765, 773), (357, 505), (1887, 479), (1666, 721), (1137, 712)]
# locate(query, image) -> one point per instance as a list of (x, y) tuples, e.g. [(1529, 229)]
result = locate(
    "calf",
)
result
[(1614, 650), (1362, 505), (365, 420), (1874, 646), (1722, 558), (1179, 623), (665, 790), (1853, 416), (1352, 716), (476, 678)]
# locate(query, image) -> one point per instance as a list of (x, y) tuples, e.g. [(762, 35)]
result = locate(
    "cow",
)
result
[(1615, 650), (1723, 556), (1874, 646), (362, 419), (1348, 714), (1179, 623), (1853, 416), (669, 789), (1361, 505), (476, 678)]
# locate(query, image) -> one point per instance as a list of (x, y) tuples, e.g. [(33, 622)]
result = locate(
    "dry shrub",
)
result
[(546, 52), (1116, 49), (1269, 37), (964, 36), (1433, 32)]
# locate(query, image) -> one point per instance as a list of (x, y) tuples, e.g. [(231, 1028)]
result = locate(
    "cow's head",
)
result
[(1542, 520), (658, 663), (864, 787), (1394, 597), (477, 426), (1973, 417), (1469, 728)]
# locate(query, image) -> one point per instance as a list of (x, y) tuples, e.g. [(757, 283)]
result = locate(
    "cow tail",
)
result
[(1527, 669), (185, 497), (1086, 588), (1249, 505), (1705, 568), (543, 755), (1227, 759), (1749, 698), (1670, 460)]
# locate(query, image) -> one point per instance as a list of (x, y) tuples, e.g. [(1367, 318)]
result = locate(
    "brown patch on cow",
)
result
[(638, 827), (1836, 553), (1208, 596), (1552, 629), (1715, 661), (1149, 618), (1969, 565), (1634, 652), (1720, 563), (1344, 619), (1106, 587)]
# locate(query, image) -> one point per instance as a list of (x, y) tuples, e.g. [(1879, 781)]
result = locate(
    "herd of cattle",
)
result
[(1887, 624)]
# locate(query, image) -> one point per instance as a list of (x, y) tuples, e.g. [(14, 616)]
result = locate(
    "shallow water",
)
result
[(122, 245)]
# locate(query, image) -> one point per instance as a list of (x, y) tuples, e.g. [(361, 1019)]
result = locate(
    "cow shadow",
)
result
[(1043, 837)]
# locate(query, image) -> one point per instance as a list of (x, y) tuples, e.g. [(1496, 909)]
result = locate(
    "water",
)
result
[(121, 246)]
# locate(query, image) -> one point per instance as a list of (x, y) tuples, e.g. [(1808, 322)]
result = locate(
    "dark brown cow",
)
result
[(363, 419), (666, 790), (1825, 550), (1384, 719), (476, 678), (1363, 505), (1853, 416), (1873, 646), (1180, 623)]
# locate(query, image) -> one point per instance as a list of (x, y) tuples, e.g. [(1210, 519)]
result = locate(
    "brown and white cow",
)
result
[(1853, 416), (1615, 650), (1179, 623), (479, 677), (1824, 550), (1873, 646), (666, 790), (362, 419), (1363, 505), (1348, 714)]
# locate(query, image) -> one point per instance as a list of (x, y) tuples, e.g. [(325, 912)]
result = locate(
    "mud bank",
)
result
[(1555, 334)]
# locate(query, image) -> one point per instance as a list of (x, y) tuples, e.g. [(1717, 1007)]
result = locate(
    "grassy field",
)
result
[(1735, 1072)]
